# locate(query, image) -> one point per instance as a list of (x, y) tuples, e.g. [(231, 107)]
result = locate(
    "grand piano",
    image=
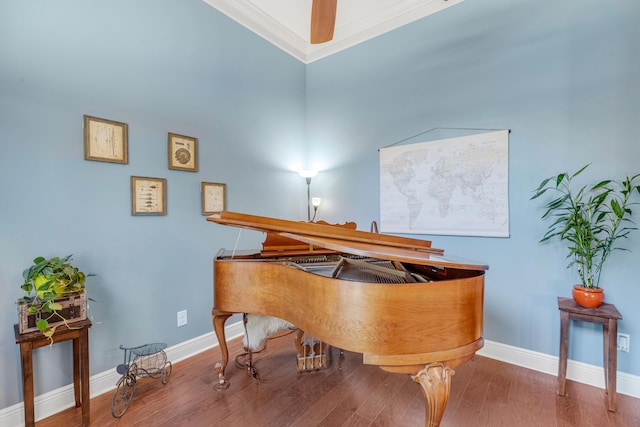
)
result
[(400, 302)]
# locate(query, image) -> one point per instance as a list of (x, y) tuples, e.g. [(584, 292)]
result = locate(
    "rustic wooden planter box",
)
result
[(74, 308)]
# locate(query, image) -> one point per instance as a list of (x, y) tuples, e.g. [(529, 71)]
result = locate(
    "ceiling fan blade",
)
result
[(323, 20)]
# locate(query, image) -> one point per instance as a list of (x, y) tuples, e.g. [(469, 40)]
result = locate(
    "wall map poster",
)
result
[(457, 186)]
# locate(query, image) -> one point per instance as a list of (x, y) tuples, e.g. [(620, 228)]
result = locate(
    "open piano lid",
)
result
[(363, 243)]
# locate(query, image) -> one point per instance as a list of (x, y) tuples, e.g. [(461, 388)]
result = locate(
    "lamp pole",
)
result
[(308, 198), (307, 175)]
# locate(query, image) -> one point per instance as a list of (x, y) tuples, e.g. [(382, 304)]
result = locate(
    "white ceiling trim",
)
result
[(350, 30), (255, 19)]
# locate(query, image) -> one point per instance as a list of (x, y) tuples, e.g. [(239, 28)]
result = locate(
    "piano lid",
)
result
[(351, 241)]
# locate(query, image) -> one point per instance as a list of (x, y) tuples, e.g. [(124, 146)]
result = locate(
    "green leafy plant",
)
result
[(46, 280), (591, 220)]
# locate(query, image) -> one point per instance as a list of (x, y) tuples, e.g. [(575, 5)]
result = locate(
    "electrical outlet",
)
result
[(182, 318), (623, 342)]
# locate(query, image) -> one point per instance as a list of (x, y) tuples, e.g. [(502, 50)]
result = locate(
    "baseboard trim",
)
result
[(62, 398), (577, 371)]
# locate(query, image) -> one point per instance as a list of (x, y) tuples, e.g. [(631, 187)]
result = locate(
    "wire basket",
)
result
[(145, 361), (149, 360)]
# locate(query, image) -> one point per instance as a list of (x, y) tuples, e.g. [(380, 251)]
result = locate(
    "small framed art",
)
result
[(148, 196), (105, 140), (183, 152), (214, 197)]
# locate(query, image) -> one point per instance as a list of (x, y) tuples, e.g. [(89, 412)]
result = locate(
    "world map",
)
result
[(455, 186)]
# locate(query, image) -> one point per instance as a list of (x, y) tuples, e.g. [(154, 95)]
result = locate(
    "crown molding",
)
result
[(392, 15), (245, 13)]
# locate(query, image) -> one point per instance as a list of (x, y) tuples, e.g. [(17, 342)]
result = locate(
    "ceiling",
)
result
[(286, 23)]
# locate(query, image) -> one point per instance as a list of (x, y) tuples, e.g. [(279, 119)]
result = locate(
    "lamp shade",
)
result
[(308, 173)]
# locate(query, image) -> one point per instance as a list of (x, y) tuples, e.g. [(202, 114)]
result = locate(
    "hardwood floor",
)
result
[(484, 393)]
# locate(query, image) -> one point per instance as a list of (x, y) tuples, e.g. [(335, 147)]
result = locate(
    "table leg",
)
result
[(564, 350), (84, 376), (76, 372), (26, 359), (611, 362)]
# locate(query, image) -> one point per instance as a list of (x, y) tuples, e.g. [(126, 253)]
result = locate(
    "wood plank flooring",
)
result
[(484, 393)]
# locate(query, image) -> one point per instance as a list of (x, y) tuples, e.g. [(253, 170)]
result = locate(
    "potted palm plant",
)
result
[(54, 294), (591, 221)]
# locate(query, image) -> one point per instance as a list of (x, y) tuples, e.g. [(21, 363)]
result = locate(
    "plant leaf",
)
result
[(42, 324), (55, 306), (581, 169), (601, 184), (615, 206)]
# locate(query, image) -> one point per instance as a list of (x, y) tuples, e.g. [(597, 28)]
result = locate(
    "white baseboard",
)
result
[(62, 398), (577, 371)]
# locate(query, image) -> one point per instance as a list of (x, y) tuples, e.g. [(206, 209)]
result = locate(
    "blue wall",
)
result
[(159, 66), (563, 76)]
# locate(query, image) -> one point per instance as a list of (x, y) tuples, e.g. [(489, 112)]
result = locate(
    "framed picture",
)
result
[(105, 140), (183, 152), (148, 196), (214, 197)]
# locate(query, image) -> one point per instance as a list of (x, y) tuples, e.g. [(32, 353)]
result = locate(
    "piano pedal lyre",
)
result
[(310, 356)]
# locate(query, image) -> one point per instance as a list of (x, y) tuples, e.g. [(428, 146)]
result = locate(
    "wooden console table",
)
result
[(32, 340), (607, 315)]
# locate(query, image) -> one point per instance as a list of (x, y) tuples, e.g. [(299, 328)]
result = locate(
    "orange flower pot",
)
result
[(588, 297)]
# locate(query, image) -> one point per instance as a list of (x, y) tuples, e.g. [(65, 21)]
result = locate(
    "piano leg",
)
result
[(219, 318), (435, 381), (434, 377)]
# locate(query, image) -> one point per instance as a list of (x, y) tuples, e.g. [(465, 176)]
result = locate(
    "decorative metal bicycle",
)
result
[(147, 360)]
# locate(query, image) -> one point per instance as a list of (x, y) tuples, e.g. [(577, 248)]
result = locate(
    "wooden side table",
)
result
[(607, 315), (32, 340)]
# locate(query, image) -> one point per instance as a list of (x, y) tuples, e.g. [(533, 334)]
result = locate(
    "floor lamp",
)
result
[(307, 175)]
